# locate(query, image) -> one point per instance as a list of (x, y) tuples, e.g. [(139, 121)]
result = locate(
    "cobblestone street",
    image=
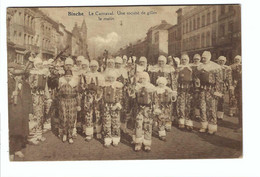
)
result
[(179, 145)]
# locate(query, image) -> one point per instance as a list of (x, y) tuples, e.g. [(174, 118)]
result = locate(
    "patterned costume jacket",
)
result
[(185, 89), (163, 104), (237, 83), (210, 77), (92, 95), (40, 94), (111, 106), (226, 78), (167, 71), (145, 98), (195, 90)]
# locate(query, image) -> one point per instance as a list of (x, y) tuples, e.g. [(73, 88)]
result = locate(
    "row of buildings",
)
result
[(30, 29), (216, 28)]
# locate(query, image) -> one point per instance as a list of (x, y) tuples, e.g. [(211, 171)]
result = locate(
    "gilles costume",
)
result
[(237, 80), (167, 71), (144, 93), (93, 82), (196, 89), (123, 77), (82, 71), (111, 107), (40, 94), (185, 88), (210, 90), (226, 84), (236, 75), (163, 105), (56, 71)]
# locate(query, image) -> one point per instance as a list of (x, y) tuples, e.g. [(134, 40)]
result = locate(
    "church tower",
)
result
[(84, 32)]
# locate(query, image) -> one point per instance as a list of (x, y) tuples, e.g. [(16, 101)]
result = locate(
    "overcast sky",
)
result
[(111, 34)]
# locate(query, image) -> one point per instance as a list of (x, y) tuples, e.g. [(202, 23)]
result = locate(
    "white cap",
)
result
[(185, 56), (69, 61), (143, 59), (161, 80), (80, 58), (222, 58), (110, 60), (197, 56), (207, 55), (238, 57), (162, 58), (119, 60), (124, 57), (93, 63)]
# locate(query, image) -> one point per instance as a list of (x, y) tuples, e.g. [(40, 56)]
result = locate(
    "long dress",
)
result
[(68, 102), (18, 114)]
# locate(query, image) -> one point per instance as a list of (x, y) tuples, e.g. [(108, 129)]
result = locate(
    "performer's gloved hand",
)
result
[(157, 111), (78, 108)]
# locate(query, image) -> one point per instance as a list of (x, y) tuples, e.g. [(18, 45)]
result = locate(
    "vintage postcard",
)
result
[(124, 82)]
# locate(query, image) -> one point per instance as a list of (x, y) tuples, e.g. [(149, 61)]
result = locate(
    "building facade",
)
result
[(229, 36), (21, 30), (157, 41), (199, 29), (30, 29), (216, 28)]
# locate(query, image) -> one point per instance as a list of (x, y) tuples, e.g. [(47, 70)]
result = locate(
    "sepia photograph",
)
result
[(124, 82)]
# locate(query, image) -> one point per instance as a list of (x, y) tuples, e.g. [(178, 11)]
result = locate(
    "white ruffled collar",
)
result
[(211, 66), (115, 84)]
